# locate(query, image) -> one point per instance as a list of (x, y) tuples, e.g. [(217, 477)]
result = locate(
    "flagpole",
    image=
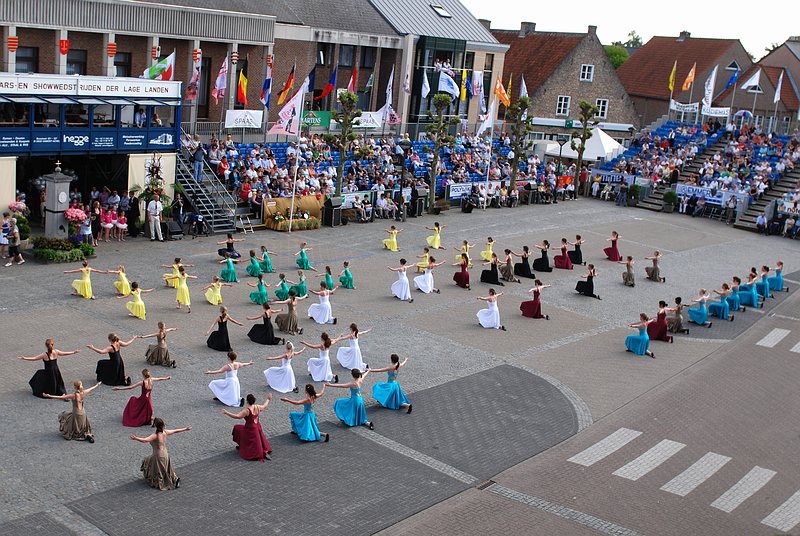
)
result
[(691, 91), (753, 111), (733, 98), (775, 116)]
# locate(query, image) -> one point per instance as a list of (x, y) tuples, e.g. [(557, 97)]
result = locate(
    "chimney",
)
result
[(486, 23), (526, 28), (684, 36), (592, 30), (794, 38)]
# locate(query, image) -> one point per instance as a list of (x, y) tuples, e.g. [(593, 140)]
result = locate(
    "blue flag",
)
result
[(733, 79)]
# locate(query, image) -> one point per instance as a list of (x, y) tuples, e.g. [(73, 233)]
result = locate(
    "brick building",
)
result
[(759, 100)]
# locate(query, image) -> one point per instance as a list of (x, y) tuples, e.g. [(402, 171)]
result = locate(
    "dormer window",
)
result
[(441, 11)]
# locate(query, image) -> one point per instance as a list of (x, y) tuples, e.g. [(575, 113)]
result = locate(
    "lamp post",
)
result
[(562, 140)]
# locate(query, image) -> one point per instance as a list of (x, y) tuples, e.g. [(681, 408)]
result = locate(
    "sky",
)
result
[(761, 28)]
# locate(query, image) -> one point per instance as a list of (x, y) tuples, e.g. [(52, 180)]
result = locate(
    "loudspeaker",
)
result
[(466, 205), (333, 202), (174, 230), (331, 217), (422, 192)]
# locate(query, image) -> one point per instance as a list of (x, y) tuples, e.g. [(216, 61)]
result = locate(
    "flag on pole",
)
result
[(221, 83), (162, 69), (370, 82), (407, 83), (753, 81), (288, 123), (733, 79), (352, 86), (470, 92), (687, 84), (523, 92), (241, 88), (477, 89), (500, 92), (287, 87), (488, 124), (448, 85), (311, 80), (711, 81), (192, 89), (387, 107), (426, 86), (778, 89), (266, 88), (329, 86), (463, 85), (508, 90), (672, 76)]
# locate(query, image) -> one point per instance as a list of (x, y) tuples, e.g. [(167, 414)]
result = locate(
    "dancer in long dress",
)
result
[(612, 252), (304, 425), (762, 287), (658, 328), (171, 279), (321, 312), (425, 282), (507, 268), (158, 354), (83, 286), (281, 378), (345, 277), (586, 288), (523, 267), (486, 254), (388, 393), (776, 281), (576, 255), (249, 437), (654, 272), (400, 288), (465, 247), (265, 262), (254, 268), (628, 276), (303, 262), (699, 315), (350, 357), (213, 291), (351, 411), (259, 295), (157, 468), (542, 264), (327, 276), (136, 307), (435, 240), (490, 316), (462, 276), (320, 367), (491, 276), (48, 380), (639, 344), (391, 242), (182, 296), (229, 248), (287, 322), (282, 289), (563, 261), (219, 339), (533, 308), (111, 371), (228, 390), (300, 289), (675, 322), (426, 260), (73, 424), (720, 308), (734, 303), (123, 286), (747, 292), (228, 273), (265, 333), (139, 409)]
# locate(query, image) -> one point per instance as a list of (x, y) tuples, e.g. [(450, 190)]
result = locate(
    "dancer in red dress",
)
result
[(249, 437), (139, 410), (657, 329), (462, 278), (533, 308), (563, 261), (612, 252)]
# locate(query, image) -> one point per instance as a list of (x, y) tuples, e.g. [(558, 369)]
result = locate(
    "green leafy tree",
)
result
[(347, 118), (587, 114), (439, 132), (617, 54), (634, 40), (519, 127)]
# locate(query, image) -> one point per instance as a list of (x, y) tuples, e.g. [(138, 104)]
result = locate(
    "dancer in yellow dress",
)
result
[(136, 305), (182, 296), (83, 286), (435, 240), (171, 279), (214, 291), (486, 254), (391, 242), (123, 286), (426, 255), (465, 247)]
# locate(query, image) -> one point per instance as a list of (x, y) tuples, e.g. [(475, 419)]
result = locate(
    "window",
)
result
[(562, 107), (587, 73), (602, 108), (163, 116), (368, 57), (441, 11), (46, 115), (755, 89), (76, 115), (733, 66), (469, 61), (758, 121), (488, 63), (76, 62), (27, 60), (103, 116), (346, 53), (14, 115), (122, 64), (324, 53), (537, 136)]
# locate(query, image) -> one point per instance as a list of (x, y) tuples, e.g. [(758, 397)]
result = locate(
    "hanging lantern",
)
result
[(197, 54), (111, 50), (234, 57), (156, 52), (13, 44), (269, 60), (63, 46)]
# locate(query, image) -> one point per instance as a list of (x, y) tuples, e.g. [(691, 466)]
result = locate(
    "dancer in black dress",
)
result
[(111, 371), (229, 242), (586, 288), (542, 264), (576, 255), (218, 340), (265, 333), (523, 268), (48, 380), (491, 276)]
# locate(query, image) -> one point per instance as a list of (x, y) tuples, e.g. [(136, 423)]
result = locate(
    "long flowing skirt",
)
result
[(350, 357), (734, 303), (264, 333), (532, 308), (523, 269), (762, 289), (776, 282), (158, 355), (563, 262), (48, 380), (259, 296), (748, 296), (698, 315), (74, 426), (320, 369), (576, 256), (612, 253), (390, 243), (227, 390), (720, 309), (287, 323), (266, 264), (585, 287), (253, 444), (138, 411), (489, 317), (321, 313), (158, 472), (401, 288), (214, 296), (83, 287), (111, 372), (490, 276), (304, 424), (657, 331), (461, 278), (219, 340), (638, 344), (351, 411), (137, 309), (653, 273), (229, 275), (280, 378), (629, 278), (254, 269), (389, 395), (424, 282)]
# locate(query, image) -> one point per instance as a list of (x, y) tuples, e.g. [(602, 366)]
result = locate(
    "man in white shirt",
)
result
[(154, 209)]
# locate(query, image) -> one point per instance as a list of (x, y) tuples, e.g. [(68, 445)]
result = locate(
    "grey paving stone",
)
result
[(40, 523)]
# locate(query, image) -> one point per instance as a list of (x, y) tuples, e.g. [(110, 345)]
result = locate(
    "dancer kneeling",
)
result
[(351, 411), (249, 437)]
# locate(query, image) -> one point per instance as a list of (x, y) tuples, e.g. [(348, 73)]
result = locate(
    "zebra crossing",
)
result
[(784, 518)]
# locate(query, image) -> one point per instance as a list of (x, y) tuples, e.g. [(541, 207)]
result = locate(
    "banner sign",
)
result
[(243, 118), (716, 112), (457, 191), (721, 197), (680, 107), (87, 86), (612, 177), (316, 119)]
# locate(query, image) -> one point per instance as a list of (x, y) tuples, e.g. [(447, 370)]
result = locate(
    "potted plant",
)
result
[(670, 200), (633, 194)]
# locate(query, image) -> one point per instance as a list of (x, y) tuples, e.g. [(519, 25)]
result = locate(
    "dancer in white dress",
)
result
[(424, 282), (320, 367), (350, 357), (321, 312), (282, 378), (490, 317), (400, 288), (228, 390)]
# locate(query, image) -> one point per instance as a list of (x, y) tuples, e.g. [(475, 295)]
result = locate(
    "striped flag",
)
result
[(241, 88), (287, 87), (221, 83), (266, 88)]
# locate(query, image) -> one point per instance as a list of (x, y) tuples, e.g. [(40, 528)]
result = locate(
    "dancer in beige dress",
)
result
[(158, 354), (73, 424), (287, 322), (157, 468)]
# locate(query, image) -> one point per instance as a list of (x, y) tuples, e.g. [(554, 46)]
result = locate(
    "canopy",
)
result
[(600, 145)]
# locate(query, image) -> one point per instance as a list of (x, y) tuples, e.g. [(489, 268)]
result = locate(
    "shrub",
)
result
[(87, 249), (24, 227), (55, 255), (58, 244), (670, 197), (634, 191)]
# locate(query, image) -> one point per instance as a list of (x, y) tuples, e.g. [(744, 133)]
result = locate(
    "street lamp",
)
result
[(562, 140)]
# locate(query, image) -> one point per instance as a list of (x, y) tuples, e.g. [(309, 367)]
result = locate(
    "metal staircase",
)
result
[(209, 198)]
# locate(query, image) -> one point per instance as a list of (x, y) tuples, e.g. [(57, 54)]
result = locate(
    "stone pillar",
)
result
[(404, 100), (9, 58), (152, 42), (193, 108), (108, 61), (232, 80), (57, 201), (60, 66), (376, 70)]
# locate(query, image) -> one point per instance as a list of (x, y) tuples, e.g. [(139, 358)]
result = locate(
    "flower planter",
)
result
[(668, 208)]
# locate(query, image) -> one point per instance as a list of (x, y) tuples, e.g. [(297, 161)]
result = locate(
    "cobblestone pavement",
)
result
[(579, 351)]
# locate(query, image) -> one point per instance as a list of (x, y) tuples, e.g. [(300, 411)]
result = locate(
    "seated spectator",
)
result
[(699, 207), (789, 226), (224, 169), (761, 223)]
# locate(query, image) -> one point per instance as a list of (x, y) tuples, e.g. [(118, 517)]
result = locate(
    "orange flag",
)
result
[(500, 91), (687, 84)]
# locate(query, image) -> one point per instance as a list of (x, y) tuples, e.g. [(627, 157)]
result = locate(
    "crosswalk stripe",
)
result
[(786, 516), (796, 348), (648, 461), (605, 447), (696, 474), (773, 337), (749, 484)]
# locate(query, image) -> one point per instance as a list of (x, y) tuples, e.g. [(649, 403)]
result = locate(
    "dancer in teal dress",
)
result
[(299, 288), (699, 314), (776, 281), (282, 290), (266, 262), (328, 277), (640, 344), (762, 287), (304, 425), (259, 295), (254, 268), (388, 393), (345, 277), (747, 293), (720, 308), (351, 411), (734, 303), (228, 274), (302, 262)]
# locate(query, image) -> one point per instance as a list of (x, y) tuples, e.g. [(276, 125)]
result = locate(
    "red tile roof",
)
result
[(537, 55), (788, 96), (646, 73)]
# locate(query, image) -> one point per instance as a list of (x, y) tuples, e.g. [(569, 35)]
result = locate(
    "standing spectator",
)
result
[(124, 203), (622, 194), (198, 157), (6, 230), (114, 199), (761, 223), (134, 213), (154, 209), (177, 209), (730, 210), (13, 244)]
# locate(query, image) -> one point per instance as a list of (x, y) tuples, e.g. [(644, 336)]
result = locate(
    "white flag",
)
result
[(778, 89), (489, 123), (222, 82), (388, 105), (477, 89), (406, 83), (448, 85), (711, 81), (753, 81), (288, 123), (426, 86), (523, 92)]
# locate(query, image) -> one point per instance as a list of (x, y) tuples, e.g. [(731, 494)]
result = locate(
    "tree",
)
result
[(439, 132), (634, 41), (587, 115), (617, 54), (346, 118), (519, 127)]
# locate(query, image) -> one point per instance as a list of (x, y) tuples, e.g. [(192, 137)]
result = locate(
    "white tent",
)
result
[(600, 145)]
